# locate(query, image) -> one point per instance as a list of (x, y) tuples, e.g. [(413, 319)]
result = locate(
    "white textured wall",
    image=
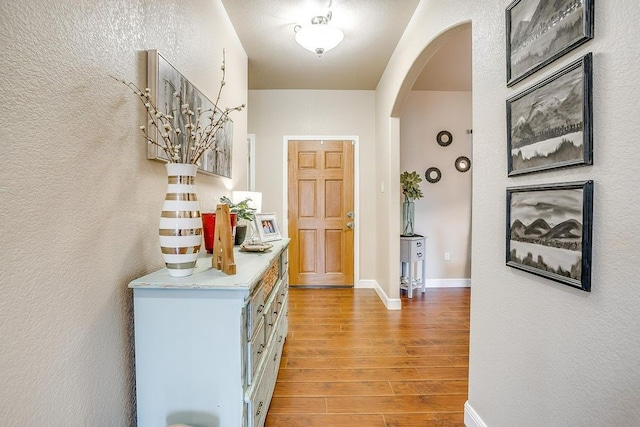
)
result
[(80, 202), (274, 114), (544, 354), (443, 215), (557, 355)]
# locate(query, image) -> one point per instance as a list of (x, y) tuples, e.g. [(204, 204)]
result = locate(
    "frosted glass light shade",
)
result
[(319, 38)]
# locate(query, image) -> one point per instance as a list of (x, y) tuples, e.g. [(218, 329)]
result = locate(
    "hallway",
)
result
[(348, 361)]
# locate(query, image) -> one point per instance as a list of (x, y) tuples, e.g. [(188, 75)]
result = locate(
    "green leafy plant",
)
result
[(410, 187), (242, 209)]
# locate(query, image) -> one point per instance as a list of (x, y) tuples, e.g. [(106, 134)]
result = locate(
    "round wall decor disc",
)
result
[(463, 164), (433, 175), (444, 138)]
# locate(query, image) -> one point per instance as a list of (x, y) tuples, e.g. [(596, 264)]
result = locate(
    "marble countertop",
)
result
[(250, 266)]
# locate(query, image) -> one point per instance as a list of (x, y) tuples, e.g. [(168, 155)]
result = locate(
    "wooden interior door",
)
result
[(321, 213)]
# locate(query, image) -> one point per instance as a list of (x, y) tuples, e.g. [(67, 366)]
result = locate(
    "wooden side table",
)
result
[(412, 251)]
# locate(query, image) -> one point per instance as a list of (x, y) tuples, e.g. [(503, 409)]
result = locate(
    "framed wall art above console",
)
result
[(164, 81)]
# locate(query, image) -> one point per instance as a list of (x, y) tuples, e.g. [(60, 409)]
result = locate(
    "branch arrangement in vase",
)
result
[(184, 134), (410, 185)]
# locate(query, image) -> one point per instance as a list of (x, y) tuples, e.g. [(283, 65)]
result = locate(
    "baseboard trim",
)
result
[(390, 303), (395, 303), (366, 284), (471, 417), (448, 283)]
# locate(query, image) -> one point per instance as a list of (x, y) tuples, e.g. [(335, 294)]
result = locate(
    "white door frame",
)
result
[(356, 188)]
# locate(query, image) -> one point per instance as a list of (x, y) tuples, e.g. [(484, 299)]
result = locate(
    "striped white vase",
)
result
[(180, 222)]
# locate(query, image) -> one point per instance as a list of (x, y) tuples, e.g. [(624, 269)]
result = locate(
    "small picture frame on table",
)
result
[(267, 227)]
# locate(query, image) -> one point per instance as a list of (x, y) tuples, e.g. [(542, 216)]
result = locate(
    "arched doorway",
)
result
[(391, 94), (440, 104)]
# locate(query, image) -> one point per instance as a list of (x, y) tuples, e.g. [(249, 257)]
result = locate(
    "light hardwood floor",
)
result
[(348, 361)]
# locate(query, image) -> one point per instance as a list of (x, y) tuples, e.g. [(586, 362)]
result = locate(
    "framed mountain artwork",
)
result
[(549, 229), (550, 125), (541, 31)]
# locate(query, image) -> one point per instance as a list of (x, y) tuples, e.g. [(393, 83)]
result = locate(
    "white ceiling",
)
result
[(371, 29)]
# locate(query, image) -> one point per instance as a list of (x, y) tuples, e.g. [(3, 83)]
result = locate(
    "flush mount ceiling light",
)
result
[(319, 37)]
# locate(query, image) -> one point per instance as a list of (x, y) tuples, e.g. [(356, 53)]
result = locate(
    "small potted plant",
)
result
[(245, 214), (411, 191)]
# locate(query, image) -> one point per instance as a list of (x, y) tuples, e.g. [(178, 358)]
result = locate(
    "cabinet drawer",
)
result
[(273, 307), (281, 293), (255, 310), (258, 406), (412, 250), (418, 254), (417, 249), (284, 263), (262, 390), (272, 364), (283, 326), (257, 348), (283, 289), (269, 317), (261, 394)]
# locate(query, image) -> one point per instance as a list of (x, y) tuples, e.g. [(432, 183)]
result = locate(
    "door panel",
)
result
[(308, 242), (307, 160), (333, 200), (333, 251), (320, 195), (307, 195), (333, 160)]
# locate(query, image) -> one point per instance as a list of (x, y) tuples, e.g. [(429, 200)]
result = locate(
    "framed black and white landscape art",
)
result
[(549, 231), (550, 124), (541, 31)]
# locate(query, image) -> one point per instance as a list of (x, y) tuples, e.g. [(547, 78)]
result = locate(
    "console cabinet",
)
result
[(208, 346)]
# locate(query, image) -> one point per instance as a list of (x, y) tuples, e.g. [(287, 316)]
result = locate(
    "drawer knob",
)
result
[(419, 254), (419, 244)]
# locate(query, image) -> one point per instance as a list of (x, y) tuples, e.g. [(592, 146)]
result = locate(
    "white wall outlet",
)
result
[(447, 256)]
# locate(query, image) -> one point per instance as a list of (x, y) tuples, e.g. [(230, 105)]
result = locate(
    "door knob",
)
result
[(350, 214), (350, 225)]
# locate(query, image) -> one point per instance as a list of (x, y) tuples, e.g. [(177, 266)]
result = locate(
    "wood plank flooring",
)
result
[(350, 362)]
